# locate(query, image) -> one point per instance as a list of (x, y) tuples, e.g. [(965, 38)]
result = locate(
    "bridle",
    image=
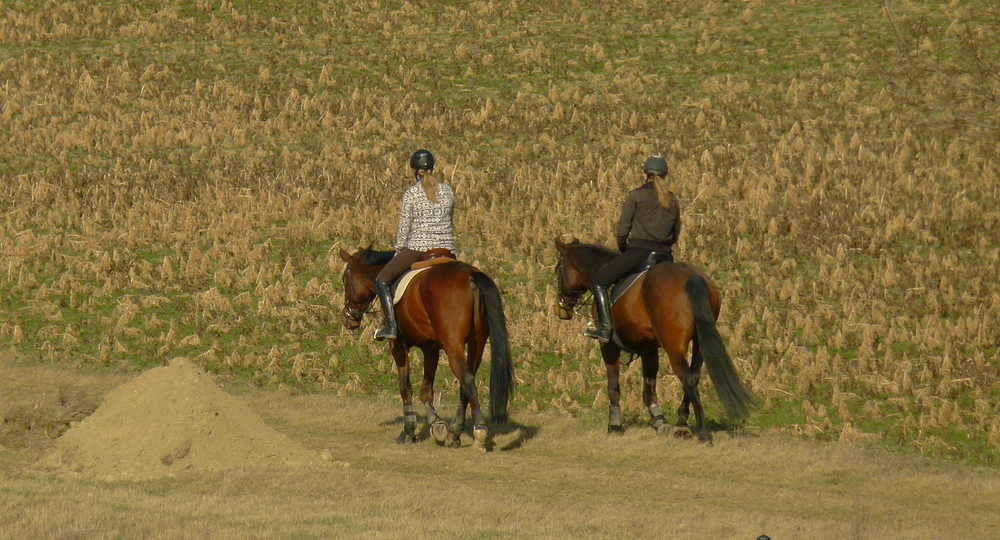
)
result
[(354, 311), (567, 301)]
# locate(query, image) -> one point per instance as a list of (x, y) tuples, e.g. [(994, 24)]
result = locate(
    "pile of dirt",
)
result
[(171, 419)]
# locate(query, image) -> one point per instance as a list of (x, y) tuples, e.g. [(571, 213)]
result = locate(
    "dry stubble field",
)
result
[(177, 178)]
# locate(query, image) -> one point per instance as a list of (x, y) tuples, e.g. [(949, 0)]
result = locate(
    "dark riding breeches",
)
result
[(621, 266)]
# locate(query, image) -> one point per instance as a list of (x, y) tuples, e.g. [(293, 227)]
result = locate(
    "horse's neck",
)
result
[(371, 272), (590, 260)]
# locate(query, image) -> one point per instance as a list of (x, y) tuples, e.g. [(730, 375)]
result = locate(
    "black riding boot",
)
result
[(602, 331), (388, 329)]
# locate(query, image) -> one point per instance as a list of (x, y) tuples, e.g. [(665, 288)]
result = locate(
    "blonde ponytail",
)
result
[(430, 185), (662, 192)]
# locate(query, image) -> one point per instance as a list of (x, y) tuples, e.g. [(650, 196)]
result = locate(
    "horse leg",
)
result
[(650, 369), (438, 428), (684, 411), (476, 346), (469, 398), (689, 382), (400, 354), (612, 356)]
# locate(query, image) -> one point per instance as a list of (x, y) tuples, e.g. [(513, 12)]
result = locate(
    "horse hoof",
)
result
[(616, 429), (705, 438), (665, 430), (479, 439), (406, 438), (681, 432), (453, 440), (658, 422), (439, 430)]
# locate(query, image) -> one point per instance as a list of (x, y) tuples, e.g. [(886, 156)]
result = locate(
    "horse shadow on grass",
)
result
[(715, 426), (503, 437)]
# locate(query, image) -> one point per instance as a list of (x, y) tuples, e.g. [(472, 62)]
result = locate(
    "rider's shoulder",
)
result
[(412, 191), (642, 190)]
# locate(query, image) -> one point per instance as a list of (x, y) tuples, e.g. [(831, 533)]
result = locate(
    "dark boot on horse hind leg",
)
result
[(388, 329), (409, 434), (601, 330), (657, 420)]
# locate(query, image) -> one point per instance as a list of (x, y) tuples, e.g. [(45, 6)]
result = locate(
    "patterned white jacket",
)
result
[(424, 225)]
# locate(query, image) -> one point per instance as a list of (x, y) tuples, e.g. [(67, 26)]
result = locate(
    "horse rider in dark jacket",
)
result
[(650, 223)]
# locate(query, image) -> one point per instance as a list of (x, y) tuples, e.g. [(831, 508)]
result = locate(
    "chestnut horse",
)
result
[(670, 306), (452, 307)]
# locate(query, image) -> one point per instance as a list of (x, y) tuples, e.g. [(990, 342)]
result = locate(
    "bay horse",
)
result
[(669, 307), (453, 307)]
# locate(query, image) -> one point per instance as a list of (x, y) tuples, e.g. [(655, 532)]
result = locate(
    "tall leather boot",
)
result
[(602, 331), (388, 329)]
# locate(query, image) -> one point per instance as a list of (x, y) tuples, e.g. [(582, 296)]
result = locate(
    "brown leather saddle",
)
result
[(433, 257)]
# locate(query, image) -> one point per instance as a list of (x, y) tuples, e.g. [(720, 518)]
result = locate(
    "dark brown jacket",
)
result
[(647, 225)]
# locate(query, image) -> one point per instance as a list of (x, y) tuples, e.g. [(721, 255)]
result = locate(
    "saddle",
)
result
[(654, 258), (433, 257)]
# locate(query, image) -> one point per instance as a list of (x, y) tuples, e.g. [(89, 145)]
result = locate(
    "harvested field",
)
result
[(177, 178)]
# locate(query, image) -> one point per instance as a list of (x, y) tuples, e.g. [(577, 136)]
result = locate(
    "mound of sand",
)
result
[(170, 419)]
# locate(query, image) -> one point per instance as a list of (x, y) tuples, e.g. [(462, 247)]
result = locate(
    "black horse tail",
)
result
[(501, 369), (735, 397)]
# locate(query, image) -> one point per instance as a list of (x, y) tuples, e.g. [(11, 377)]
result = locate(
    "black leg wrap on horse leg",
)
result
[(656, 415), (615, 419), (478, 419), (409, 425)]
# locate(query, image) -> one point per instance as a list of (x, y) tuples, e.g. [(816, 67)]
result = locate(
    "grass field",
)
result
[(178, 176)]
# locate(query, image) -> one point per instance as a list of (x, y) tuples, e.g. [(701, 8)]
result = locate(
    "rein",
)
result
[(569, 302)]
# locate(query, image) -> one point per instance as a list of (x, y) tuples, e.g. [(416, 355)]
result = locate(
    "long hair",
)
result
[(427, 181), (662, 191)]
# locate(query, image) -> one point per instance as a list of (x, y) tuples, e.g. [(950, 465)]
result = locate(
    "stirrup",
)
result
[(385, 332), (600, 333)]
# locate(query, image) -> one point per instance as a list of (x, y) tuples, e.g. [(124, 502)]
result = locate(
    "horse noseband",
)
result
[(354, 313)]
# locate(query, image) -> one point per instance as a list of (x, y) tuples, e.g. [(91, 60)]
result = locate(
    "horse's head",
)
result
[(359, 287), (571, 285)]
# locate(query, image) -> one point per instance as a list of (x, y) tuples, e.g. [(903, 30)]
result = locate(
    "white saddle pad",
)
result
[(404, 282)]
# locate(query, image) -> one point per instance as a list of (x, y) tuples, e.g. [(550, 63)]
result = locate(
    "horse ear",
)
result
[(369, 248), (345, 255), (560, 245)]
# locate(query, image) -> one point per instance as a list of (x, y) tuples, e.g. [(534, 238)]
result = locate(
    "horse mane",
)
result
[(595, 251), (589, 258), (377, 258)]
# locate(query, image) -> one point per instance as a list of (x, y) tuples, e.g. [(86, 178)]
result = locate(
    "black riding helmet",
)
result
[(655, 165), (422, 160)]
